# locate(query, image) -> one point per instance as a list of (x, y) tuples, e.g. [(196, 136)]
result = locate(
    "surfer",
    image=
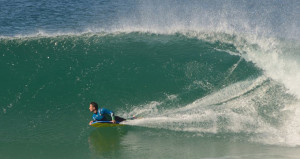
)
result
[(102, 114)]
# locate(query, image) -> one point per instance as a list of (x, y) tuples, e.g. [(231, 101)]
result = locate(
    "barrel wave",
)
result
[(206, 79), (211, 84)]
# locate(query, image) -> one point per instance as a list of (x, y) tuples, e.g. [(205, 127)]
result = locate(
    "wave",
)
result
[(198, 81)]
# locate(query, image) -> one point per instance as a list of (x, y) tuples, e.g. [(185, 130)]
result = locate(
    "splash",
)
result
[(253, 109)]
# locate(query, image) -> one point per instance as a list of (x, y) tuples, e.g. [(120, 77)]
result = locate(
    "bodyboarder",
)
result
[(103, 114)]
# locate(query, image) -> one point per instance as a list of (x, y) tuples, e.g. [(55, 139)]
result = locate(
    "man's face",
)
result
[(92, 108)]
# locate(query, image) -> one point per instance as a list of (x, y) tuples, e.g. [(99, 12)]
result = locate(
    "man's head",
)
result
[(93, 106)]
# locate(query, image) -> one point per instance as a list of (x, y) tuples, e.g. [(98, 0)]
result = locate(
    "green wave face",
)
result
[(117, 69)]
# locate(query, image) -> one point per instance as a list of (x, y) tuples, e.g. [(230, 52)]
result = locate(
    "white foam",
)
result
[(244, 107)]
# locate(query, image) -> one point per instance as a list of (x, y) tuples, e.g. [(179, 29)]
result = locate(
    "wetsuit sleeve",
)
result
[(112, 116), (93, 117)]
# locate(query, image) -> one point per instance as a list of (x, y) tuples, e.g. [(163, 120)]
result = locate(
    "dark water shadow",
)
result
[(105, 142)]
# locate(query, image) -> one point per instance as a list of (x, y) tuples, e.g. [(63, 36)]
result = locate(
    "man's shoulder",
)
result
[(105, 110), (101, 109)]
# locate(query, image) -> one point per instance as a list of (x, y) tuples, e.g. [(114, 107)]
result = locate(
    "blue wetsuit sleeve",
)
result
[(94, 117)]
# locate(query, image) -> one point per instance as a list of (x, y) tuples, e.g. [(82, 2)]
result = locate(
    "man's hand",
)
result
[(113, 121), (91, 122)]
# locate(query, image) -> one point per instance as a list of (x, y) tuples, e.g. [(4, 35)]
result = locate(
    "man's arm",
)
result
[(94, 119), (113, 117)]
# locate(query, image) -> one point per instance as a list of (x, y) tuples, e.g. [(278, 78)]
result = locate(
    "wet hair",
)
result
[(94, 104)]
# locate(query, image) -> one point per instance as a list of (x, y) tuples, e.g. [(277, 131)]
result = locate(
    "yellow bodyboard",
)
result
[(105, 124)]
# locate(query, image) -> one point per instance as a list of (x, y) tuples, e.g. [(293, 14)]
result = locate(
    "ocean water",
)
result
[(209, 79)]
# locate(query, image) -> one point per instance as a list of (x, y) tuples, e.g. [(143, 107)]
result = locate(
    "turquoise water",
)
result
[(209, 86)]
